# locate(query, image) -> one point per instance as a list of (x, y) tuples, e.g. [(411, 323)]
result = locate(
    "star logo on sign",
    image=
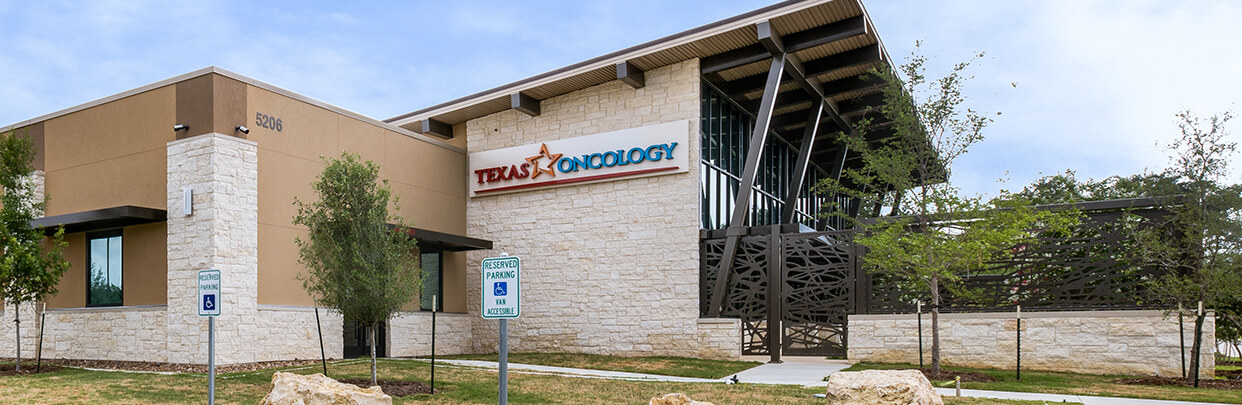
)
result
[(552, 158)]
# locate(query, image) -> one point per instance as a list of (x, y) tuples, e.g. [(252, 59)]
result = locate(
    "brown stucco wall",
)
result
[(72, 288), (428, 180), (110, 155), (145, 264)]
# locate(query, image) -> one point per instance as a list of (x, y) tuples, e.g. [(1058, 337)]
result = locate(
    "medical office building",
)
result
[(605, 177)]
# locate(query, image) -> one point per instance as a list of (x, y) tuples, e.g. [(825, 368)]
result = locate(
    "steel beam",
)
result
[(840, 30), (859, 57), (630, 74), (804, 158), (436, 127), (526, 104), (741, 206)]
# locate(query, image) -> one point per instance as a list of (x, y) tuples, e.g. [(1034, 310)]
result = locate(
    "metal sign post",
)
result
[(209, 306), (501, 297)]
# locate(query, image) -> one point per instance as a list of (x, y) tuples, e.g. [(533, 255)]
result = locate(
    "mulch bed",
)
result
[(27, 369), (396, 388), (167, 367), (1182, 382), (946, 375)]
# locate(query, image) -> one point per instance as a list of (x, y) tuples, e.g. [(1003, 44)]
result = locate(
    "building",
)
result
[(612, 179)]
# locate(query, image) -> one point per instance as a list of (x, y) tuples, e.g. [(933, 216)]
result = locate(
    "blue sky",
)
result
[(1097, 82)]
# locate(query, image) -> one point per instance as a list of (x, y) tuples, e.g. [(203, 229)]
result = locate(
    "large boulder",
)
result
[(675, 399), (905, 387), (317, 389)]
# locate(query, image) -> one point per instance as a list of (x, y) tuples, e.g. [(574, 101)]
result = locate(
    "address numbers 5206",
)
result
[(267, 121)]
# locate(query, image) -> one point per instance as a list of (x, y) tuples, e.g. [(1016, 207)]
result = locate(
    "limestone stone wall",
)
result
[(27, 313), (289, 333), (1096, 342), (409, 334), (222, 234), (720, 339), (607, 268), (115, 333)]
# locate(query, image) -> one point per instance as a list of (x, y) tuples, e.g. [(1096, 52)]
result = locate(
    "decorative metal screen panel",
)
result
[(747, 294), (818, 292), (1095, 268), (817, 283)]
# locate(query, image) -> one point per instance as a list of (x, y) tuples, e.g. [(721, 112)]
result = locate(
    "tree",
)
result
[(357, 262), (938, 233), (1203, 257), (30, 263)]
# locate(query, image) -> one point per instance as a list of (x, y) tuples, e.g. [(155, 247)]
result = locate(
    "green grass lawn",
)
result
[(675, 366), (458, 385), (1077, 384)]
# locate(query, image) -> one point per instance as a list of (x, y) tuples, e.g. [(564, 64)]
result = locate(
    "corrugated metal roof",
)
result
[(711, 39)]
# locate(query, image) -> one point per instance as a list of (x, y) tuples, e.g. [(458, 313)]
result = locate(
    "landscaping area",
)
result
[(454, 385), (1070, 383), (675, 366)]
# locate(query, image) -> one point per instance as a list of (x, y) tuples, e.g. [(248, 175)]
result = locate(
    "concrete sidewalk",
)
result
[(1085, 400)]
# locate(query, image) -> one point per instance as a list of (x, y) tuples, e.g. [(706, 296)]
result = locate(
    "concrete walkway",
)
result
[(804, 371)]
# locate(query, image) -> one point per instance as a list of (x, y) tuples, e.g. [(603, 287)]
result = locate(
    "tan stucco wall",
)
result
[(426, 178), (145, 264), (72, 288), (110, 155), (106, 156)]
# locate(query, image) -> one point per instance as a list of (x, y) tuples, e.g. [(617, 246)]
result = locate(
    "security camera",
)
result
[(180, 127), (243, 129)]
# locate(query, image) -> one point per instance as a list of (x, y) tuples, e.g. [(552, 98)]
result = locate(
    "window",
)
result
[(432, 276), (104, 255)]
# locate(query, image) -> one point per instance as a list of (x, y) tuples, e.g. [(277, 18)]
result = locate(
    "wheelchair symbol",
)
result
[(500, 288), (209, 302)]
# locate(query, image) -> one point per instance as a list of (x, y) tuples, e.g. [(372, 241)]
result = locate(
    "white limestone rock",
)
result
[(316, 389), (675, 399), (881, 387)]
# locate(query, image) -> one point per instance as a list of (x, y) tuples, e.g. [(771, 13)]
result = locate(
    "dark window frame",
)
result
[(90, 236), (439, 280)]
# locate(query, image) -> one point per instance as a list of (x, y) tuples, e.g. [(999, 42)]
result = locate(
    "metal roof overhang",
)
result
[(114, 217), (446, 241), (833, 43)]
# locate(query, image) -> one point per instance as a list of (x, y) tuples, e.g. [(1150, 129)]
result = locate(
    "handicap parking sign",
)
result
[(209, 293), (500, 288)]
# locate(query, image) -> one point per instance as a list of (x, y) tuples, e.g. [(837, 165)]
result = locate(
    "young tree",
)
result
[(938, 233), (30, 263), (359, 263), (1203, 256)]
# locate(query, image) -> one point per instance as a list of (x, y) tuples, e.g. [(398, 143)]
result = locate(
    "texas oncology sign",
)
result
[(636, 152)]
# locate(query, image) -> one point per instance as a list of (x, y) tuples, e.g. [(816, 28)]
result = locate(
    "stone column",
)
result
[(221, 233)]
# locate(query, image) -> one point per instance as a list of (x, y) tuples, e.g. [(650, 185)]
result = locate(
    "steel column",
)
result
[(776, 282), (741, 206), (804, 158)]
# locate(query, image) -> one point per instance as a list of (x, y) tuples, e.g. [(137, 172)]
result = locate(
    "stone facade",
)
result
[(409, 334), (608, 268), (720, 339), (1099, 342), (289, 333), (222, 234), (110, 333)]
